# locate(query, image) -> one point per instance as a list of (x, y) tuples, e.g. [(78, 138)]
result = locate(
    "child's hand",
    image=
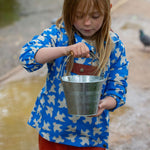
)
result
[(78, 50), (106, 103)]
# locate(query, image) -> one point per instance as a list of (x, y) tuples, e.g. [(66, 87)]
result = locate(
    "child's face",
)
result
[(88, 23)]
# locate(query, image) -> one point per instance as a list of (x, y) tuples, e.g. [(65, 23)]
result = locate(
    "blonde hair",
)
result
[(103, 40)]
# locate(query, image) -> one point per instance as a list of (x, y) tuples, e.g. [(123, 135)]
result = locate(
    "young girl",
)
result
[(85, 26)]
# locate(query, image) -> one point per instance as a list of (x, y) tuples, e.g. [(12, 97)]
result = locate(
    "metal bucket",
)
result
[(82, 93)]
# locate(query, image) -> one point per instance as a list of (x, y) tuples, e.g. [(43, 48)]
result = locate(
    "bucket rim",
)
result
[(99, 79)]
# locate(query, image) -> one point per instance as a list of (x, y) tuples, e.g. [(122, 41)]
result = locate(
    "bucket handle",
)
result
[(71, 54), (66, 60)]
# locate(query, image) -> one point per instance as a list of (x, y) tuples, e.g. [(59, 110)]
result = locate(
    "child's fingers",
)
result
[(100, 109), (86, 51), (99, 112), (83, 50), (79, 50)]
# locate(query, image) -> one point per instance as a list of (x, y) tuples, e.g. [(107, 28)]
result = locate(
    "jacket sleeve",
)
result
[(116, 85), (27, 57)]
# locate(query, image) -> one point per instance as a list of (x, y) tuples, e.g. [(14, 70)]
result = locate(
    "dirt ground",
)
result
[(134, 128), (128, 16)]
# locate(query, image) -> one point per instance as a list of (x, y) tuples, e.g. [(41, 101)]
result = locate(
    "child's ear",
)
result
[(110, 6)]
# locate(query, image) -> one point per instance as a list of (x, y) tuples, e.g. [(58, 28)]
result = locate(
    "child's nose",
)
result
[(87, 20)]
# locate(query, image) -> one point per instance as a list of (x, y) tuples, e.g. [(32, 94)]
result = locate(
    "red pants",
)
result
[(46, 145)]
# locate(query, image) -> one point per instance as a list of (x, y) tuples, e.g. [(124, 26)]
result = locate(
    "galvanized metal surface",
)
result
[(82, 93)]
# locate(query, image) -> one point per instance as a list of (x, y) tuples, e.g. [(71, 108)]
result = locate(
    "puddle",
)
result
[(16, 102), (9, 12)]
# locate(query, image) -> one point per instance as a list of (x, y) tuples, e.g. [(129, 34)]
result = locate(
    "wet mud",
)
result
[(16, 102)]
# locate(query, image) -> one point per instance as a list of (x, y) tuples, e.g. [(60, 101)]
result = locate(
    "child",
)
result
[(83, 28)]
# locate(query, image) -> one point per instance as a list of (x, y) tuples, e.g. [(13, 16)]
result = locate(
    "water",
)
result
[(9, 12), (13, 10), (16, 102)]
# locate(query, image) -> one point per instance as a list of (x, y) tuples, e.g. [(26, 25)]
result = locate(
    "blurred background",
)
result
[(20, 20)]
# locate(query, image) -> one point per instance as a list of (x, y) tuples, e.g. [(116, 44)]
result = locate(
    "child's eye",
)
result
[(79, 16), (95, 16)]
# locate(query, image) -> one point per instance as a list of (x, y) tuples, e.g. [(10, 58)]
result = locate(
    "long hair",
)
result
[(102, 37)]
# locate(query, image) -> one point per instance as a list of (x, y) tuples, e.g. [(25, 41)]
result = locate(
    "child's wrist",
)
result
[(67, 51), (111, 102)]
